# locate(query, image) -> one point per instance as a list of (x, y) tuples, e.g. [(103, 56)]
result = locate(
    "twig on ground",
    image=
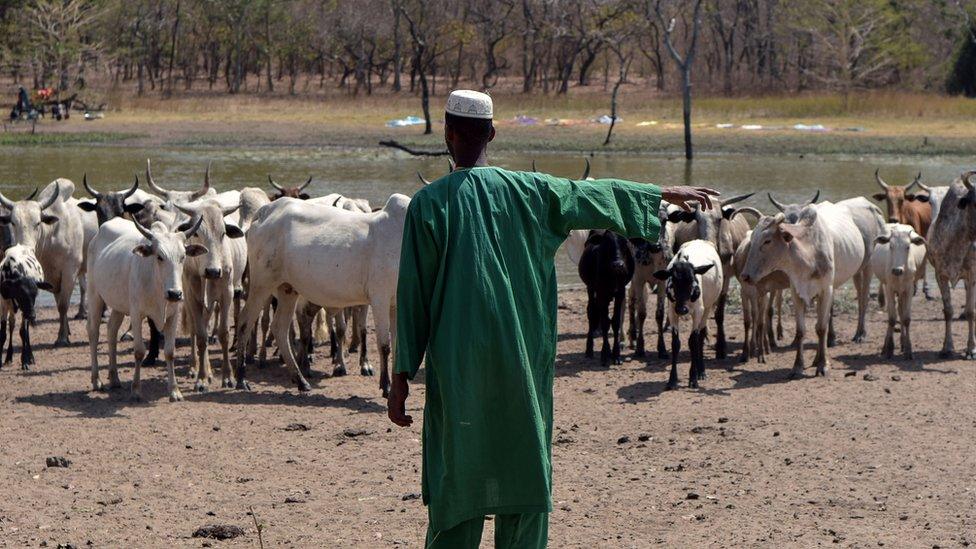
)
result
[(393, 144), (257, 526)]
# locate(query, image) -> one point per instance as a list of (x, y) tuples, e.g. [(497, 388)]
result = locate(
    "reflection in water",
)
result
[(375, 174)]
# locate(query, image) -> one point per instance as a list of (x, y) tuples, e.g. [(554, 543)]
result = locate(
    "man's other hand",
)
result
[(682, 196), (397, 401)]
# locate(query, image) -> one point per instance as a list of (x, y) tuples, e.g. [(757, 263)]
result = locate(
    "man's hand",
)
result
[(397, 401), (682, 195)]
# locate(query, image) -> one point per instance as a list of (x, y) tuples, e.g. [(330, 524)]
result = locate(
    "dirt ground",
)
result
[(750, 459)]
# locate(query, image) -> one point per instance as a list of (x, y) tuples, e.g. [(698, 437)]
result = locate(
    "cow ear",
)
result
[(655, 248), (142, 250), (304, 196), (662, 275), (49, 219), (46, 286), (919, 197), (4, 219), (918, 240), (703, 269), (133, 208), (879, 196), (676, 216), (193, 250), (87, 206), (185, 226), (882, 239), (727, 212), (233, 231)]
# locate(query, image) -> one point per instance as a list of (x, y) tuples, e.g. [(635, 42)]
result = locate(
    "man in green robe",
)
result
[(477, 296)]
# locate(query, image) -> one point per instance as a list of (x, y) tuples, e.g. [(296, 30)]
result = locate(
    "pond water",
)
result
[(375, 174)]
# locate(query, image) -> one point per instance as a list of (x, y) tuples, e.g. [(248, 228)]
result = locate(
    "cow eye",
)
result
[(159, 258)]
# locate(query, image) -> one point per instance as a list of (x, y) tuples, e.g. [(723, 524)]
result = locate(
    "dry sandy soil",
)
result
[(748, 460)]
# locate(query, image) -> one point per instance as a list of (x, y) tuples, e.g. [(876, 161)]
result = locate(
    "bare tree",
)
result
[(684, 62)]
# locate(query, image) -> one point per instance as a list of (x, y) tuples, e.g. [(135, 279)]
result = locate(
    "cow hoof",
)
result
[(97, 387), (25, 366), (115, 384), (304, 386), (970, 355), (126, 337), (339, 371), (212, 340), (200, 386), (671, 386), (354, 350), (176, 396), (149, 361), (227, 383), (909, 356), (945, 354), (62, 342), (859, 338), (693, 384), (366, 371), (135, 396), (243, 385), (794, 375), (640, 353), (588, 354), (81, 315)]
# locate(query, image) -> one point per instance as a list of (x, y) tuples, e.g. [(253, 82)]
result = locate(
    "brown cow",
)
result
[(291, 192), (908, 208)]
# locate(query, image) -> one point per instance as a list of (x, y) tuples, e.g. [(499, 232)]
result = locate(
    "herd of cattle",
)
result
[(300, 264)]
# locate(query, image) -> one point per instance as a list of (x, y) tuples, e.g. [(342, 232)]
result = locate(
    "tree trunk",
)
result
[(172, 52), (425, 100), (686, 110)]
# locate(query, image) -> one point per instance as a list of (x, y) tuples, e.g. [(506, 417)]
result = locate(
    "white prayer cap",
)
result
[(470, 104)]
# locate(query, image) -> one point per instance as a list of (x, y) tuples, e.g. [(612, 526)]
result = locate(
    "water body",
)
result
[(375, 174)]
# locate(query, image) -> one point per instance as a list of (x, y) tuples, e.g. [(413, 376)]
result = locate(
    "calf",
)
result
[(137, 272), (606, 268), (757, 306), (649, 257), (907, 208), (694, 286), (898, 259), (21, 277), (828, 245)]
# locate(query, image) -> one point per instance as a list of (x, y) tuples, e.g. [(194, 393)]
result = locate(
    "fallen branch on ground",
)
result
[(414, 152)]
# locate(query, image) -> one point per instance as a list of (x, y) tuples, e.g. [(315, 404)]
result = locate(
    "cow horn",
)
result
[(586, 171), (735, 199), (145, 232), (84, 181), (336, 203), (306, 184), (193, 229), (228, 211), (423, 179), (277, 187), (746, 210), (533, 166), (54, 197), (923, 186), (152, 183), (877, 176), (33, 194), (206, 184), (775, 202), (968, 180), (188, 211), (132, 191), (815, 198), (915, 182), (5, 202)]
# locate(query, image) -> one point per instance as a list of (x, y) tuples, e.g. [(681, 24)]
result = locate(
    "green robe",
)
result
[(477, 294)]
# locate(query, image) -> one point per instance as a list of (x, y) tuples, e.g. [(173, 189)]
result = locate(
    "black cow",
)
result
[(606, 267)]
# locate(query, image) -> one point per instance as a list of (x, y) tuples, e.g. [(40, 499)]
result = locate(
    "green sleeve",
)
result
[(627, 208), (419, 259)]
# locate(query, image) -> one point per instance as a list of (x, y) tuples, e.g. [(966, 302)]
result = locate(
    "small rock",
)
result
[(216, 427), (887, 390), (775, 433), (723, 420), (410, 496), (895, 378), (353, 433), (623, 440), (870, 377), (674, 468), (564, 440), (644, 438), (294, 500), (297, 427), (692, 495), (850, 374), (58, 461), (788, 461), (219, 531)]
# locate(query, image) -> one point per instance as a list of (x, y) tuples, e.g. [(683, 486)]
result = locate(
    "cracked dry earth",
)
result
[(878, 453)]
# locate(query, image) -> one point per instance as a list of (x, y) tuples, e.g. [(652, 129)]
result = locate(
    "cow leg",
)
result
[(592, 322), (266, 317), (63, 299), (200, 338), (139, 352), (112, 335), (96, 310), (762, 333), (675, 349), (605, 332), (169, 351), (825, 304), (82, 313), (305, 318), (801, 329), (632, 316), (353, 313), (862, 284), (831, 335), (255, 307), (287, 301), (640, 316), (617, 324), (26, 354), (905, 314), (154, 337), (720, 343), (888, 349), (693, 341), (925, 283), (227, 380), (970, 320), (779, 316), (359, 322), (384, 314), (944, 290), (339, 359), (662, 351), (748, 297), (3, 335)]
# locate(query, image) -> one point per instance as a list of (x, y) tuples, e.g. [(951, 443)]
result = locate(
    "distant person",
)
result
[(477, 295)]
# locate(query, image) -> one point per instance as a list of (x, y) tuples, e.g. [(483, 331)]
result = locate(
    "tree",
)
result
[(684, 62)]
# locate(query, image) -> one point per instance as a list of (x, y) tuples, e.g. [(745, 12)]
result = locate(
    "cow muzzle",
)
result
[(211, 273), (174, 296), (898, 271)]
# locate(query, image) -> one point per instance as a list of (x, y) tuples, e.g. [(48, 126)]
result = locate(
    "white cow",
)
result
[(211, 281), (53, 227), (828, 245), (694, 285), (898, 260), (137, 272), (332, 257)]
